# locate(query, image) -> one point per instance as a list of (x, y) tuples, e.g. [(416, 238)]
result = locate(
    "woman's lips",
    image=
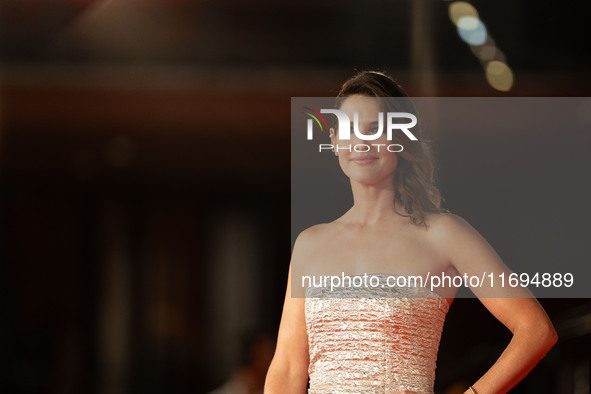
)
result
[(364, 160)]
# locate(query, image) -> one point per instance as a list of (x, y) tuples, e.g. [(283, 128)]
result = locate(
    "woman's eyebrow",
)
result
[(371, 123)]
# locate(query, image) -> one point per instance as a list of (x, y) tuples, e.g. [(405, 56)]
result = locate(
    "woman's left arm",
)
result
[(516, 308)]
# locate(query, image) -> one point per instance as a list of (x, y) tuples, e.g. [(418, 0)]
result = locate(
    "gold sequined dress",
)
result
[(380, 339)]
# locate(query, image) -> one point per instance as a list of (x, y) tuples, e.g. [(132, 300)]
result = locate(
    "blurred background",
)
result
[(145, 179)]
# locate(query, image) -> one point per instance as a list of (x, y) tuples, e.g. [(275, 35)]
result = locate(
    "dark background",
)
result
[(145, 176)]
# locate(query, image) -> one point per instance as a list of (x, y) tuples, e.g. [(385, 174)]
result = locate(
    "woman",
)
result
[(380, 342)]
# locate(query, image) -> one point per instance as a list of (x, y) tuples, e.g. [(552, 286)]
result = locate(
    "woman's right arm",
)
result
[(288, 372)]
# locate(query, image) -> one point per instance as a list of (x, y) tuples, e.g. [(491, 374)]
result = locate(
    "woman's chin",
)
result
[(367, 179), (370, 175)]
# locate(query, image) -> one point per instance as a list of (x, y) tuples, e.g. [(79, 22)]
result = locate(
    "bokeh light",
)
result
[(499, 75), (488, 53), (472, 30), (460, 9)]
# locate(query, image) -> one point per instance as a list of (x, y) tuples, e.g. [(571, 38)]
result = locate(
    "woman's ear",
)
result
[(333, 140)]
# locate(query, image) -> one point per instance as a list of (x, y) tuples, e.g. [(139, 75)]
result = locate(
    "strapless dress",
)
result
[(378, 339)]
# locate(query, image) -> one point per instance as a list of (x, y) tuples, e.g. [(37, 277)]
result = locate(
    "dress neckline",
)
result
[(384, 275), (437, 295)]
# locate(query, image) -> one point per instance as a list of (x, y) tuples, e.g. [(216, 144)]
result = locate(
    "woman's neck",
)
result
[(372, 203)]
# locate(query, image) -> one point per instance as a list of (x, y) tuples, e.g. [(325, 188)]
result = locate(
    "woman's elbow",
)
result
[(543, 333), (550, 336)]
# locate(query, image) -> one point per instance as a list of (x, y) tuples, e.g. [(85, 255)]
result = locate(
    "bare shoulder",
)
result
[(314, 236), (444, 225), (466, 249), (310, 244), (450, 232), (315, 231)]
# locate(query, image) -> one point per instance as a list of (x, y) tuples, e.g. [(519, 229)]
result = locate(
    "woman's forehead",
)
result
[(366, 107)]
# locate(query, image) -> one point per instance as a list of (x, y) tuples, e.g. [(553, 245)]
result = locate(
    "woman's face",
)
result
[(376, 166)]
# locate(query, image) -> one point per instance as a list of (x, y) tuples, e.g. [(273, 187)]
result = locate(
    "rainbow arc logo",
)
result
[(318, 118)]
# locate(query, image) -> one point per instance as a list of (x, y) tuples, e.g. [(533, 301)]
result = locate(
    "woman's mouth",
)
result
[(364, 160)]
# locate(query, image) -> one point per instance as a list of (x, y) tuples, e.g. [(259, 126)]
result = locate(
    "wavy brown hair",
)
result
[(414, 176)]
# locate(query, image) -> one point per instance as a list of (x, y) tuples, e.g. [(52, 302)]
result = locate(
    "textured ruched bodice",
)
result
[(373, 339)]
